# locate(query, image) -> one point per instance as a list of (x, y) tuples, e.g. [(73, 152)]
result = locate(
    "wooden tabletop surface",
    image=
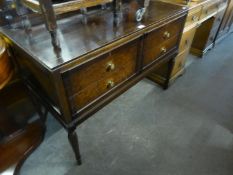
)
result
[(78, 38)]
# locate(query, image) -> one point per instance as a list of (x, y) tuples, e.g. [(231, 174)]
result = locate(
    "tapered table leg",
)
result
[(169, 72), (73, 139)]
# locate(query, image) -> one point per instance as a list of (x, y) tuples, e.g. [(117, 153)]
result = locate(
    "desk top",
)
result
[(78, 38)]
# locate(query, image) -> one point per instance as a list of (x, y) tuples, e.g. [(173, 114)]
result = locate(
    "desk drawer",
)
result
[(223, 4), (215, 27), (187, 39), (209, 8), (218, 18), (193, 17), (91, 80), (158, 42), (180, 62)]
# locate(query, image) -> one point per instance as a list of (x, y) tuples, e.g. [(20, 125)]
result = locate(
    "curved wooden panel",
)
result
[(6, 70)]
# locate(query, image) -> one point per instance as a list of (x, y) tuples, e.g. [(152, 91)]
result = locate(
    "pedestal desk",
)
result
[(99, 59), (201, 27)]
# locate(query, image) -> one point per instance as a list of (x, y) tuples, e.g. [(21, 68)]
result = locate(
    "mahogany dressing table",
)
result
[(98, 60)]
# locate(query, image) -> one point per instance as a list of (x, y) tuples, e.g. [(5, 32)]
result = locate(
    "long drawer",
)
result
[(160, 41), (210, 8), (86, 83)]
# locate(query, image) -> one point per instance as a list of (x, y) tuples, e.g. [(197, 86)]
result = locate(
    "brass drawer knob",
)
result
[(110, 84), (166, 35), (194, 18), (163, 50), (110, 67)]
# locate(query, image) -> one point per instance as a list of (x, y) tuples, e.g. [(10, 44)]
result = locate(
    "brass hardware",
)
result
[(194, 18), (163, 50), (166, 34), (110, 84), (110, 67)]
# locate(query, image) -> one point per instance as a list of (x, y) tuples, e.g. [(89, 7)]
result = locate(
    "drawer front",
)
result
[(91, 80), (96, 89), (157, 43), (223, 4), (212, 35), (187, 39), (215, 27), (218, 19), (180, 62), (209, 8), (193, 17)]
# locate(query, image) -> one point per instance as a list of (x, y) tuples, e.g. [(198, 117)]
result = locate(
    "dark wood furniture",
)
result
[(6, 69), (64, 6), (99, 60), (18, 137)]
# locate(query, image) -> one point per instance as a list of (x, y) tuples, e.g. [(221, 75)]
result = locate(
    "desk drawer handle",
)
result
[(163, 50), (110, 67), (110, 84), (166, 35), (194, 18)]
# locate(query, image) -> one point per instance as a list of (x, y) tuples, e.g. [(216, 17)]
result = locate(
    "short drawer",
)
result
[(186, 39), (223, 4), (180, 62), (209, 9), (157, 50), (193, 16), (215, 27), (158, 42), (218, 19), (92, 79)]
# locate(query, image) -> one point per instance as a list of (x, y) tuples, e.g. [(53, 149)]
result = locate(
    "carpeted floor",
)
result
[(186, 130)]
